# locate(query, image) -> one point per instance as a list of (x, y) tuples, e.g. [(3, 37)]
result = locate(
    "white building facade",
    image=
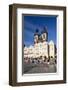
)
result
[(41, 48)]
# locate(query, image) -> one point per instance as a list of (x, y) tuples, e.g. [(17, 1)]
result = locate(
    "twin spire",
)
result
[(41, 37), (43, 31)]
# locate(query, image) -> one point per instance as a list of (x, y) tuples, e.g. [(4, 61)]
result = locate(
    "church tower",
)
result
[(36, 36), (44, 34)]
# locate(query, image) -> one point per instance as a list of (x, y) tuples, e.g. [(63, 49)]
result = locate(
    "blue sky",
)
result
[(31, 23)]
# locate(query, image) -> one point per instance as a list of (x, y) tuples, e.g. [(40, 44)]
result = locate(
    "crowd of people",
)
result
[(40, 60)]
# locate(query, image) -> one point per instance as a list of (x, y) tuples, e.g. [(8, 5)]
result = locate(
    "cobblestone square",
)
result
[(39, 68)]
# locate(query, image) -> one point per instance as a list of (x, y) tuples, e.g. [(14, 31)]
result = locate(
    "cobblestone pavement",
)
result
[(39, 68)]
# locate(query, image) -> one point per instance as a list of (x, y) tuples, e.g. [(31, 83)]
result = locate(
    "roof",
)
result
[(51, 42), (36, 32), (44, 30)]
